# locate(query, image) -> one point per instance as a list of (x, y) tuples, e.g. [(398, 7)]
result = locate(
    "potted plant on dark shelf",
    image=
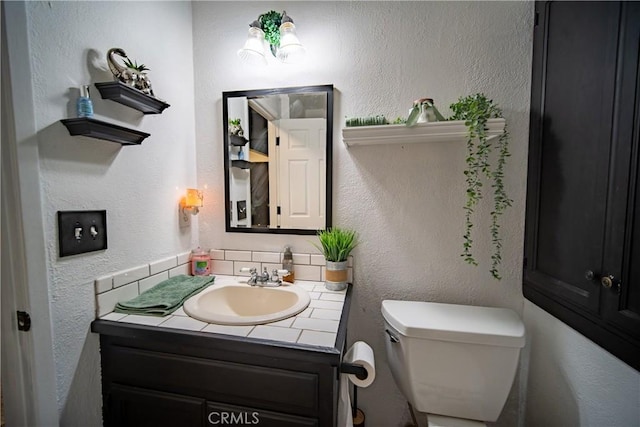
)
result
[(336, 244), (131, 73), (236, 133), (476, 110)]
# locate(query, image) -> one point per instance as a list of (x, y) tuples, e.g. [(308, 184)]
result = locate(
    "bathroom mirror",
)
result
[(278, 150)]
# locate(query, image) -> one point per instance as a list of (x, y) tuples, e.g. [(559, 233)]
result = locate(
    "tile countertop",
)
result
[(317, 325)]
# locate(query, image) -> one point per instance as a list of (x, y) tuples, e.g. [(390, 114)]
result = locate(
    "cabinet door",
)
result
[(138, 407), (572, 104), (621, 304), (583, 191), (222, 414)]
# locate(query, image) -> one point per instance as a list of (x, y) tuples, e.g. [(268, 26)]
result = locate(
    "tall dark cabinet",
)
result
[(582, 250)]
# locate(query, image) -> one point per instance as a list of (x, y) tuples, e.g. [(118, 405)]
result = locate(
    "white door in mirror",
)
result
[(302, 172)]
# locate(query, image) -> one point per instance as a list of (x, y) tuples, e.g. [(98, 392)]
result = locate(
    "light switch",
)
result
[(81, 231)]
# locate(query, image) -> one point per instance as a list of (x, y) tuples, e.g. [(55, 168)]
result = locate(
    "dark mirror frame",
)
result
[(328, 89)]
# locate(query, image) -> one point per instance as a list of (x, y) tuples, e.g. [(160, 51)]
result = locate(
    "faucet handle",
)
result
[(251, 270), (275, 272)]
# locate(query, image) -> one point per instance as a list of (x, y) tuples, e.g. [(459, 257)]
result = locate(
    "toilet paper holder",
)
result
[(351, 368), (361, 373)]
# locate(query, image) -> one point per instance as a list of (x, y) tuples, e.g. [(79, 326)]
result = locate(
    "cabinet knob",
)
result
[(589, 275), (607, 281)]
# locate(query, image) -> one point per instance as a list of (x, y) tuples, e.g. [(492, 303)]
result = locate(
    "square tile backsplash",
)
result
[(129, 283)]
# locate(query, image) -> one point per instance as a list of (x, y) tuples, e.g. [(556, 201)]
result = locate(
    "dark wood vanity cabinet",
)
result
[(136, 407), (582, 251), (162, 377), (155, 376)]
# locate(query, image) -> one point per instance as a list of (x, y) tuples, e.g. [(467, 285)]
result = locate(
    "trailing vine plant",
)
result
[(475, 110)]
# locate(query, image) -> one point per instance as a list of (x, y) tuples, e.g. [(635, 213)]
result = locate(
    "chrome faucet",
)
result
[(264, 279)]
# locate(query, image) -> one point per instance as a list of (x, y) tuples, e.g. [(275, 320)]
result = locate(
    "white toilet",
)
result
[(456, 362)]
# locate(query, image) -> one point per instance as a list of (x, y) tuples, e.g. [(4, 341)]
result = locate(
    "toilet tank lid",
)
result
[(457, 323)]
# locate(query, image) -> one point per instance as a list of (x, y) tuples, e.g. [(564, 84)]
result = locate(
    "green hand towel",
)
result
[(165, 297)]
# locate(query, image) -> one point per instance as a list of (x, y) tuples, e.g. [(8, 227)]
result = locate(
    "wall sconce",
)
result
[(191, 203), (279, 32)]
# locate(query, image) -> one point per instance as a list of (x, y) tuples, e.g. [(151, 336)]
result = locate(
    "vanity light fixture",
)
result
[(191, 203), (279, 32)]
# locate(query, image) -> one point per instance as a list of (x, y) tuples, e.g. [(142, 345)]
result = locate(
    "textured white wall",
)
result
[(139, 186), (405, 201), (573, 382)]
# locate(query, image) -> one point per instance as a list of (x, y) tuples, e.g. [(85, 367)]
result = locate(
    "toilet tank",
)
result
[(453, 360)]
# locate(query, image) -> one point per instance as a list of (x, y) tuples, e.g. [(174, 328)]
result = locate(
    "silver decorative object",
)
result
[(128, 75)]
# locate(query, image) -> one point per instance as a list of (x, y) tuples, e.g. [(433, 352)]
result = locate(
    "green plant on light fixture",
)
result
[(270, 23), (476, 110), (279, 31)]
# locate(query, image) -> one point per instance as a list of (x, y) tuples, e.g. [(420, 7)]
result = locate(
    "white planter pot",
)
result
[(336, 276)]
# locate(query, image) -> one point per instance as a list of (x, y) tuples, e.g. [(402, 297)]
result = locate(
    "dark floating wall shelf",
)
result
[(242, 164), (131, 97), (102, 130), (237, 141)]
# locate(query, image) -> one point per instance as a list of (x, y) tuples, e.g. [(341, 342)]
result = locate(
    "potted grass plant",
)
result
[(336, 244)]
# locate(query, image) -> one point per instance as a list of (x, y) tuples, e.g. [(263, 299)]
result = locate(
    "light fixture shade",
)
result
[(194, 198), (290, 50), (253, 50)]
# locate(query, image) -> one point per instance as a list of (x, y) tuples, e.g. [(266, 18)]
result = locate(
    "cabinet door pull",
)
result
[(608, 281), (590, 275)]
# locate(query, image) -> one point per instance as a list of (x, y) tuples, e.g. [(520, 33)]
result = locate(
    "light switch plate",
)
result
[(81, 231)]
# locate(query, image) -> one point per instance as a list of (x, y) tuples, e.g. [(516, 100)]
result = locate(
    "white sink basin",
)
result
[(241, 304)]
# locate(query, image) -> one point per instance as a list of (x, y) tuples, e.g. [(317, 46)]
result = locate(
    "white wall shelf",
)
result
[(448, 131)]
